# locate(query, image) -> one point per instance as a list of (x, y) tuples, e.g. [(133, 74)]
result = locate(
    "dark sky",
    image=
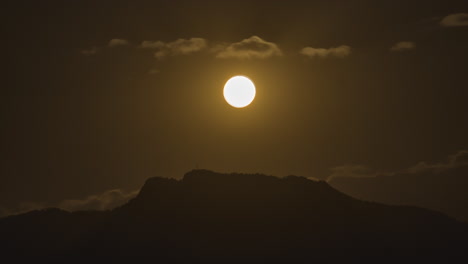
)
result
[(87, 106)]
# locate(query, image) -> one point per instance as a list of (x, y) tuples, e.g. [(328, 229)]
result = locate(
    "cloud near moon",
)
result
[(403, 45), (90, 51), (253, 47), (177, 47), (249, 48), (455, 20), (118, 42), (339, 52)]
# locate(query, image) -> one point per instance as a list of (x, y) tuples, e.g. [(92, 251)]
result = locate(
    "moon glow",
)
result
[(239, 91)]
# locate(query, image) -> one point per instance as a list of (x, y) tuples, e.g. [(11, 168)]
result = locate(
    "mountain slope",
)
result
[(238, 218), (444, 190)]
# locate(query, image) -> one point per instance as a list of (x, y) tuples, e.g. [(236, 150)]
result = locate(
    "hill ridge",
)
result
[(247, 218)]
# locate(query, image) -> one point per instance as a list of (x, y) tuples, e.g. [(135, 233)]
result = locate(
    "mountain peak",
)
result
[(207, 187), (209, 181), (249, 216)]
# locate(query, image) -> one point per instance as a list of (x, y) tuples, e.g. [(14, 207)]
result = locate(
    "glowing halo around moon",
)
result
[(239, 91)]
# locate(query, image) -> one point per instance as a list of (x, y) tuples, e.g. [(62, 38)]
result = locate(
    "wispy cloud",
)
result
[(148, 44), (118, 42), (21, 208), (153, 71), (177, 47), (403, 46), (253, 47), (457, 160), (107, 200), (455, 20), (89, 52), (104, 201), (339, 52)]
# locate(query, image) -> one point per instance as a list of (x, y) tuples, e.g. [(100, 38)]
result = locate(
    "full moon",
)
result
[(239, 91)]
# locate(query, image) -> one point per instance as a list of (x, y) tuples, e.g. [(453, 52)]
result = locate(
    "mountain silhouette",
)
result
[(444, 190), (209, 217)]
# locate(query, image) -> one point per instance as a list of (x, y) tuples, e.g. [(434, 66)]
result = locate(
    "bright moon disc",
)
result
[(239, 91)]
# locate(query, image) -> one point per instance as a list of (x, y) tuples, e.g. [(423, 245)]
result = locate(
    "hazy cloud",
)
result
[(177, 47), (439, 186), (22, 208), (456, 160), (90, 51), (340, 52), (187, 46), (118, 42), (403, 45), (104, 201), (147, 44), (314, 179), (459, 159), (455, 20), (253, 47), (153, 71)]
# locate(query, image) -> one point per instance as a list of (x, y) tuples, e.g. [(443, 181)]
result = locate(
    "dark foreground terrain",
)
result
[(237, 218)]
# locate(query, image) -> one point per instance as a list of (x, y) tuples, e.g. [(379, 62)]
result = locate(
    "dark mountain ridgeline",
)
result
[(237, 218), (444, 191)]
